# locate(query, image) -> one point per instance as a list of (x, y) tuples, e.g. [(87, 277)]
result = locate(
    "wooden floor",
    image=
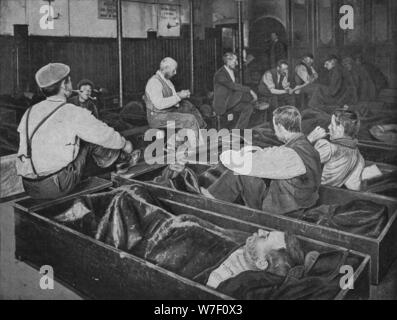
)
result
[(20, 281)]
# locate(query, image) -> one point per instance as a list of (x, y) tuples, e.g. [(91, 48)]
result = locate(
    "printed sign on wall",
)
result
[(107, 9), (169, 23)]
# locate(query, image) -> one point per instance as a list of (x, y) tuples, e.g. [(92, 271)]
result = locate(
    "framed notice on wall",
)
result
[(107, 9), (169, 21)]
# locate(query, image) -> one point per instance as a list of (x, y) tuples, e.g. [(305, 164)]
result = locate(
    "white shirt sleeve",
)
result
[(302, 73), (324, 148), (154, 92), (277, 163), (268, 80), (92, 130), (354, 180)]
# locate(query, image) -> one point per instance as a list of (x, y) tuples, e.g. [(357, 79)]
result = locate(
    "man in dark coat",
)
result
[(366, 90), (376, 75), (278, 50), (340, 89), (229, 96)]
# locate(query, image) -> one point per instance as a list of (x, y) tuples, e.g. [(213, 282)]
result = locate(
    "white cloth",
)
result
[(230, 268), (231, 73), (268, 80), (154, 93), (301, 71), (57, 141), (343, 166), (277, 163)]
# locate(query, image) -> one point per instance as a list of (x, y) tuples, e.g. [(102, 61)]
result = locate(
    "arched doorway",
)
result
[(259, 37)]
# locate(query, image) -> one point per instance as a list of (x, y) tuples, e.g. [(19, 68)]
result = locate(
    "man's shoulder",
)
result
[(153, 81), (271, 71), (220, 71), (71, 111), (154, 77), (324, 143), (74, 100), (300, 65)]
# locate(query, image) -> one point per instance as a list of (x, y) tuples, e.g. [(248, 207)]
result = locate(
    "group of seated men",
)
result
[(348, 82), (164, 104), (286, 178), (282, 179)]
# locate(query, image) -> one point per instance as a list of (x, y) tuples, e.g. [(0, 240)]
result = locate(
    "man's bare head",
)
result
[(168, 67), (230, 60), (275, 251), (286, 121)]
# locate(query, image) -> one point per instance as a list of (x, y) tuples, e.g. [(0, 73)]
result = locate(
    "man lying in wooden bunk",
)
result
[(285, 180), (266, 265)]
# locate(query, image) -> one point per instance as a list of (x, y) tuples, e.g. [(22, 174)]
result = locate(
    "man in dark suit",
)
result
[(278, 50), (339, 91), (230, 96)]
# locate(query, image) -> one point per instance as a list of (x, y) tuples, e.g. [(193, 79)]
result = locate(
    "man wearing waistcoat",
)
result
[(279, 180), (305, 74), (163, 103), (274, 87)]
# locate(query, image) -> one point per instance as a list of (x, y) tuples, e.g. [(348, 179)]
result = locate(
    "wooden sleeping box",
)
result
[(381, 249), (378, 152), (98, 271)]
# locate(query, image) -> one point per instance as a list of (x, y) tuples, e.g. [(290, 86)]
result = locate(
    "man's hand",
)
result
[(317, 134), (128, 148), (184, 94), (254, 96)]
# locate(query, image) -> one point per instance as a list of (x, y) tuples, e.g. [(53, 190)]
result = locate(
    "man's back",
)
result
[(285, 196), (56, 143), (343, 163)]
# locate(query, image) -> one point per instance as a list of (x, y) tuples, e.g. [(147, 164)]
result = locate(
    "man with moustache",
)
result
[(274, 87), (164, 105), (230, 96)]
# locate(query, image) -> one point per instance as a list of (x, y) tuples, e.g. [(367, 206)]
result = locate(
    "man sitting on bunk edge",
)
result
[(57, 138), (279, 179)]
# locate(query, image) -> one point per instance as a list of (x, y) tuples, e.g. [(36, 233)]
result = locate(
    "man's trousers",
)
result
[(64, 181)]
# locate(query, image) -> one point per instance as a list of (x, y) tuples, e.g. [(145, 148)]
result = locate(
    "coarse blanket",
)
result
[(361, 217), (133, 220)]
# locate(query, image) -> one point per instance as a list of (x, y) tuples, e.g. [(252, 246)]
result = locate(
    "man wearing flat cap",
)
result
[(84, 99), (57, 138)]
